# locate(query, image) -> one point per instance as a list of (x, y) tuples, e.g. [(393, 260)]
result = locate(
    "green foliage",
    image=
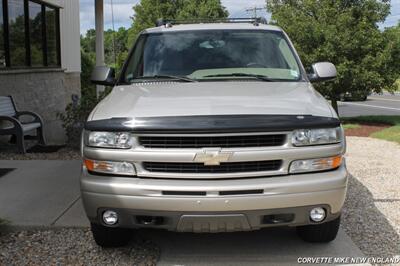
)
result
[(88, 47), (88, 42), (3, 225), (120, 37), (3, 222), (74, 117), (345, 33), (148, 11), (392, 54), (87, 65), (76, 114)]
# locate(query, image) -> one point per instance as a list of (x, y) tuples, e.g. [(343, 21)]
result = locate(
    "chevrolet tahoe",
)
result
[(213, 127)]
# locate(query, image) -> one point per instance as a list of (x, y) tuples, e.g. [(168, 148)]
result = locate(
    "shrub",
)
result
[(3, 225), (76, 113)]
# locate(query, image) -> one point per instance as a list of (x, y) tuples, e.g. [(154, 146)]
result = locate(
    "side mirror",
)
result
[(103, 75), (323, 71)]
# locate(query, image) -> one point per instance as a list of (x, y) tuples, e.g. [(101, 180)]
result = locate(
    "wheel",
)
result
[(319, 233), (110, 237)]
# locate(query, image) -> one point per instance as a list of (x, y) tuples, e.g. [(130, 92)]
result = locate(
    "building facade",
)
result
[(40, 58)]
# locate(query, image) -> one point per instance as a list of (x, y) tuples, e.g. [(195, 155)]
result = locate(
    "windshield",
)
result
[(213, 54)]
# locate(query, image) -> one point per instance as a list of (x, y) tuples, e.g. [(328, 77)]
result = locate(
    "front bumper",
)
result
[(199, 205)]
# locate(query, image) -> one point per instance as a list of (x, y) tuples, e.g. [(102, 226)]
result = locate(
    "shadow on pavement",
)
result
[(366, 224)]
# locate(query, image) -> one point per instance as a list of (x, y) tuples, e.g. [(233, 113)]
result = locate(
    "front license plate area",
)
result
[(213, 223)]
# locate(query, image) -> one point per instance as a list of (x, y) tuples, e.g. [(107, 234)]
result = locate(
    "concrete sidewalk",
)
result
[(42, 193), (46, 194)]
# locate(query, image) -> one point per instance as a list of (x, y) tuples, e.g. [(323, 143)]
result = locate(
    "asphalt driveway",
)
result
[(385, 104)]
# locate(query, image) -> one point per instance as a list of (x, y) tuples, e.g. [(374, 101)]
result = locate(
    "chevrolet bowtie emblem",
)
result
[(212, 157)]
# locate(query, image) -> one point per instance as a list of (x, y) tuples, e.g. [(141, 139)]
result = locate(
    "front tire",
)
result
[(319, 233), (109, 236)]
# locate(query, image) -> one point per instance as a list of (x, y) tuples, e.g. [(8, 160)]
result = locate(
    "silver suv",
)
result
[(213, 127)]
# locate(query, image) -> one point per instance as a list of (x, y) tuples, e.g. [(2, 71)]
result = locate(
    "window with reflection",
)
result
[(29, 34), (16, 28), (2, 48), (36, 34), (51, 34)]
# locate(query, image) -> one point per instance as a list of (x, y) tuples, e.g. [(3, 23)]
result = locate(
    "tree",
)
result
[(119, 37), (344, 32), (88, 41), (87, 65), (88, 49), (148, 11), (392, 53)]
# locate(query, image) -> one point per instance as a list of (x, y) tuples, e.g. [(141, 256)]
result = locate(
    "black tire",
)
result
[(109, 236), (319, 233)]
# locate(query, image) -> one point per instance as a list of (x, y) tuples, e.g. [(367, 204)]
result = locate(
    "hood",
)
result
[(160, 99)]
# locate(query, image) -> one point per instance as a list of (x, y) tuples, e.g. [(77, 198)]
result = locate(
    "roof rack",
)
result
[(170, 22)]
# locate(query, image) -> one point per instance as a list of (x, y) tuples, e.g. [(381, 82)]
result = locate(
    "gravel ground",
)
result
[(70, 247), (372, 210)]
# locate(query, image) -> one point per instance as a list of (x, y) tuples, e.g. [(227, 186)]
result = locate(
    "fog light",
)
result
[(317, 214), (110, 217)]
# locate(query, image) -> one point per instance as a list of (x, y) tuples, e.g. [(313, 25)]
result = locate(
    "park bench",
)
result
[(11, 123)]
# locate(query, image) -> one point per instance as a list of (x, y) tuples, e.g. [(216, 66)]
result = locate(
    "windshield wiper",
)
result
[(260, 77), (185, 79)]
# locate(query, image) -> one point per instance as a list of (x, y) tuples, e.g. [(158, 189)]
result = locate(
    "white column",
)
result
[(99, 21)]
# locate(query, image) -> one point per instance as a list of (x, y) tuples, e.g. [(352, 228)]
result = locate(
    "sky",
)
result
[(237, 8)]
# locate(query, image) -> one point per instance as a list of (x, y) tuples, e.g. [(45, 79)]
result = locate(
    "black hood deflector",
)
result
[(212, 124)]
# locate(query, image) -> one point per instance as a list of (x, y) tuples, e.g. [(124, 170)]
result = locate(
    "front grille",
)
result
[(198, 168), (167, 142)]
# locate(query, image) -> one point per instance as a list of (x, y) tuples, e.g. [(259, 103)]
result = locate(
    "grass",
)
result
[(391, 134), (351, 126)]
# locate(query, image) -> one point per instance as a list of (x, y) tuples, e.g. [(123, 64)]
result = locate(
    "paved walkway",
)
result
[(46, 193), (42, 193)]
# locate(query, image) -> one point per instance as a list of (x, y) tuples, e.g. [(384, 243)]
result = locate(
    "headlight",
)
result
[(307, 137), (313, 165), (116, 140)]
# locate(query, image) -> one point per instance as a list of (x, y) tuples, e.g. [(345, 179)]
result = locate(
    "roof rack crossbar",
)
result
[(163, 22)]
